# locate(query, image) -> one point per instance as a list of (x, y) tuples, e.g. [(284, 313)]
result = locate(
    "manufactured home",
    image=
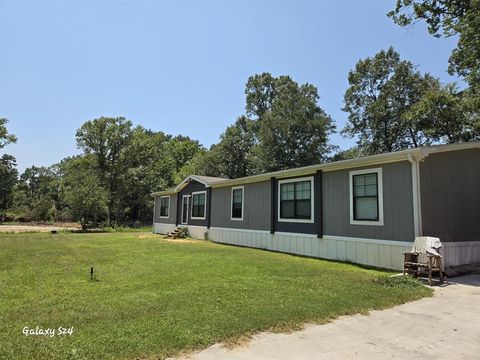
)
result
[(366, 210)]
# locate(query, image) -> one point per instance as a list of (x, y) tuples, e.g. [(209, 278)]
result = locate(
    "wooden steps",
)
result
[(173, 234)]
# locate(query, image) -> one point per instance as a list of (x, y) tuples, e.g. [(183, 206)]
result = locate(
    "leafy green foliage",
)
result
[(183, 233), (293, 130), (448, 18), (8, 179), (441, 114), (131, 163), (232, 156), (5, 137), (85, 197), (351, 153), (106, 138), (391, 106), (122, 163), (283, 128), (37, 194), (8, 171), (399, 282)]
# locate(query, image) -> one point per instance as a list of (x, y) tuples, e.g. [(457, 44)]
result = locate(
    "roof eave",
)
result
[(338, 165), (402, 155)]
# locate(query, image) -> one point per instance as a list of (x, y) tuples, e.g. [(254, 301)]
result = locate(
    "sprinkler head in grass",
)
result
[(92, 275)]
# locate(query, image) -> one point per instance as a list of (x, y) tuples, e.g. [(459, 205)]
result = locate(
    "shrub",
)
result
[(183, 233)]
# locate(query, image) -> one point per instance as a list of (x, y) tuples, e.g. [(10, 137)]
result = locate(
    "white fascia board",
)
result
[(310, 170), (378, 159)]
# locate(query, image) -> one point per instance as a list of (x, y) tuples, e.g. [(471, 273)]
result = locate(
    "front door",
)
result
[(185, 209)]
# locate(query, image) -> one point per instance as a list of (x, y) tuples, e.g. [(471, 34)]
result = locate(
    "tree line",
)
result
[(390, 105)]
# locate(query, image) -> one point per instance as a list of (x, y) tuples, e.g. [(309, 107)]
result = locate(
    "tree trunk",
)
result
[(412, 135)]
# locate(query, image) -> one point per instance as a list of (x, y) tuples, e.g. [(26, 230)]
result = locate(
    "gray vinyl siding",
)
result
[(450, 195), (397, 204), (256, 207), (171, 213), (187, 190)]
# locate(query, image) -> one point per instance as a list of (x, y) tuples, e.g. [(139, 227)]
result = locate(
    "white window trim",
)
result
[(168, 209), (204, 206), (312, 200), (378, 171), (231, 202), (188, 204)]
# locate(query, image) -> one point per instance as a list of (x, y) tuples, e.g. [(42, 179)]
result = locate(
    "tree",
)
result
[(295, 131), (230, 158), (351, 153), (8, 171), (145, 171), (8, 179), (181, 149), (381, 92), (205, 162), (441, 115), (106, 139), (5, 137), (448, 18), (177, 153), (290, 128), (283, 128), (130, 163), (85, 197), (38, 193), (233, 153)]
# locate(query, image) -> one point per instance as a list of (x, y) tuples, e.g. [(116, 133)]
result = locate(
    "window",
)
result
[(164, 206), (198, 205), (366, 201), (296, 200), (365, 197), (237, 203)]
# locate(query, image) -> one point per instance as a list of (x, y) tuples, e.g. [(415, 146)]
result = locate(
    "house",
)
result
[(366, 210)]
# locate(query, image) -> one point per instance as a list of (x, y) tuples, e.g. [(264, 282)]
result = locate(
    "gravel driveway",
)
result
[(446, 326)]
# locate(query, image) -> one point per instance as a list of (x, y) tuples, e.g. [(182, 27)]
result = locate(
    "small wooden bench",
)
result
[(412, 265)]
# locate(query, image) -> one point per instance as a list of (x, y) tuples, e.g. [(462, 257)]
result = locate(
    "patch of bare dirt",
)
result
[(35, 228), (180, 240)]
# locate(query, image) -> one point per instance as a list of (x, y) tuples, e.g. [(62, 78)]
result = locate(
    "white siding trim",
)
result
[(372, 241), (241, 230), (460, 253), (192, 226), (312, 200), (204, 206), (163, 228), (196, 231), (296, 234), (351, 174), (372, 252), (460, 243), (231, 202)]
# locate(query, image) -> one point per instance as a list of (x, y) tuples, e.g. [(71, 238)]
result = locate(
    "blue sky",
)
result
[(180, 66)]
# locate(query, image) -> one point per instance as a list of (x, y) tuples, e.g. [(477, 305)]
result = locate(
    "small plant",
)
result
[(183, 233), (109, 229), (406, 282)]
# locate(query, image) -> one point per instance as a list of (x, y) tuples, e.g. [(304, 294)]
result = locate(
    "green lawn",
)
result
[(155, 298)]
